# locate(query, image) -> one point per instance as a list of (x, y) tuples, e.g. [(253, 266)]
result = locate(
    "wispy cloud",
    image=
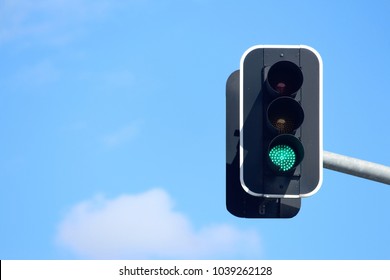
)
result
[(144, 226), (110, 80), (122, 135), (119, 79), (42, 73), (47, 19), (31, 76)]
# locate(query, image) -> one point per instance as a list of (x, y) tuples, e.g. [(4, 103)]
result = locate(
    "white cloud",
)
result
[(146, 226)]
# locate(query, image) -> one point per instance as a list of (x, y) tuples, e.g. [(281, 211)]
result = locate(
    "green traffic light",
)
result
[(283, 157)]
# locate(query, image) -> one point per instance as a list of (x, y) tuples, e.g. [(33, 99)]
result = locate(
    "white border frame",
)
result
[(242, 120)]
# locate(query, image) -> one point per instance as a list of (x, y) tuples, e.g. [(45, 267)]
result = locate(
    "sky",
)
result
[(112, 119)]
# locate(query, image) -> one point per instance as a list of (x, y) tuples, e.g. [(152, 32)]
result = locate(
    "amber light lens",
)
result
[(285, 115)]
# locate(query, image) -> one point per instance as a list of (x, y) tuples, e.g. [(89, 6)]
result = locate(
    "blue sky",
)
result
[(112, 121)]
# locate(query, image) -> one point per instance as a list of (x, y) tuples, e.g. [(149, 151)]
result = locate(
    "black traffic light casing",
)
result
[(280, 121)]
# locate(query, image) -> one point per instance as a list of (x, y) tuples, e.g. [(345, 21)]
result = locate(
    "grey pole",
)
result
[(357, 167)]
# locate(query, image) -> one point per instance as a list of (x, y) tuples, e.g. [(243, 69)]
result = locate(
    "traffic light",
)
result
[(279, 131)]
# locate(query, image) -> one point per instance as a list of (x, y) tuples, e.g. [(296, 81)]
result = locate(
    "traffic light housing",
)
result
[(279, 130)]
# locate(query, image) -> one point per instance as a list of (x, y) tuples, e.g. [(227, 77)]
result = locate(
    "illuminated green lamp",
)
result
[(283, 157), (285, 153)]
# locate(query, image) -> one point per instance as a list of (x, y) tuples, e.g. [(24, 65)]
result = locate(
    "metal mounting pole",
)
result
[(357, 167)]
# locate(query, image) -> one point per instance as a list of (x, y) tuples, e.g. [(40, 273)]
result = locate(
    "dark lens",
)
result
[(284, 78)]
